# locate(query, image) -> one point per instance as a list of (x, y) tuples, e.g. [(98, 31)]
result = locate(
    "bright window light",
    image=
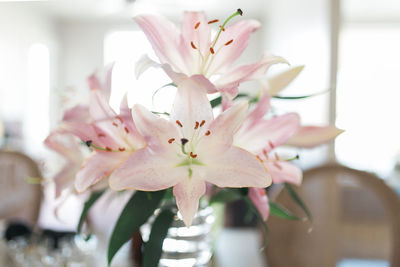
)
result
[(368, 96), (125, 48)]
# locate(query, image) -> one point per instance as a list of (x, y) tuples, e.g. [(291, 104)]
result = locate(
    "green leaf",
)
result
[(135, 213), (260, 218), (299, 97), (159, 230), (86, 207), (298, 200), (282, 212), (225, 196)]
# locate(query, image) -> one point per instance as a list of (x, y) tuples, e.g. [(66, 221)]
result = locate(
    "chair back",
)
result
[(355, 216)]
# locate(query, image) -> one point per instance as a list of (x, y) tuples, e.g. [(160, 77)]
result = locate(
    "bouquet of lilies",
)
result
[(189, 153)]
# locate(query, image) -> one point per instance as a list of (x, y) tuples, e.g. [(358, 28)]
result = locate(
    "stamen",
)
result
[(101, 135), (120, 119), (213, 21), (171, 140), (179, 123), (263, 193), (259, 159), (265, 152), (197, 25), (240, 12), (89, 143), (271, 144), (126, 129), (115, 124), (121, 149), (222, 28), (277, 165), (193, 46), (229, 42), (193, 155), (212, 50), (208, 133), (202, 123), (108, 149), (276, 156), (184, 141), (197, 125)]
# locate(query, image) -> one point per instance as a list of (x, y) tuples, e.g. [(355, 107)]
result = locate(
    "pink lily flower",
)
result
[(192, 52), (69, 148), (189, 150)]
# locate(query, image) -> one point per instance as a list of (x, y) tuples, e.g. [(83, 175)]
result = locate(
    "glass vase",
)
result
[(186, 246)]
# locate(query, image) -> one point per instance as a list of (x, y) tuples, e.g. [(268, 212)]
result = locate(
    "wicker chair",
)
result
[(19, 200), (356, 216)]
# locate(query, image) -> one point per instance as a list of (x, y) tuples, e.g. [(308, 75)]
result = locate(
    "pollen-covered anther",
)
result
[(271, 144), (277, 165), (222, 28), (171, 140), (259, 158), (89, 143), (126, 129), (207, 133), (108, 149), (197, 125), (120, 119), (213, 21), (115, 124), (121, 149), (184, 141), (193, 155), (179, 123), (193, 46), (276, 157), (101, 135), (212, 50), (229, 42), (240, 12), (197, 25), (202, 123)]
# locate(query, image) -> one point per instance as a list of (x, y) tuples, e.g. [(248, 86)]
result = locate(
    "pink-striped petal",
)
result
[(155, 130), (268, 134), (284, 172), (101, 80), (97, 167), (259, 112), (147, 171), (311, 136), (243, 73), (235, 168), (187, 194), (78, 113), (259, 198), (165, 40), (132, 133), (222, 129), (191, 105), (226, 54)]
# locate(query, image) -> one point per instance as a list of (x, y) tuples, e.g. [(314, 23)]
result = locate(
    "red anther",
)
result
[(193, 46), (276, 156), (265, 152), (197, 25), (121, 149), (193, 155), (213, 21), (120, 119), (229, 42), (202, 123), (271, 144), (115, 124), (212, 50), (222, 28), (263, 193), (126, 129), (171, 140), (197, 125), (259, 159), (101, 135), (108, 149), (208, 133), (278, 166), (179, 123)]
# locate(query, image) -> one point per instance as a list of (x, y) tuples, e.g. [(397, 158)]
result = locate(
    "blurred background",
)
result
[(349, 47)]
